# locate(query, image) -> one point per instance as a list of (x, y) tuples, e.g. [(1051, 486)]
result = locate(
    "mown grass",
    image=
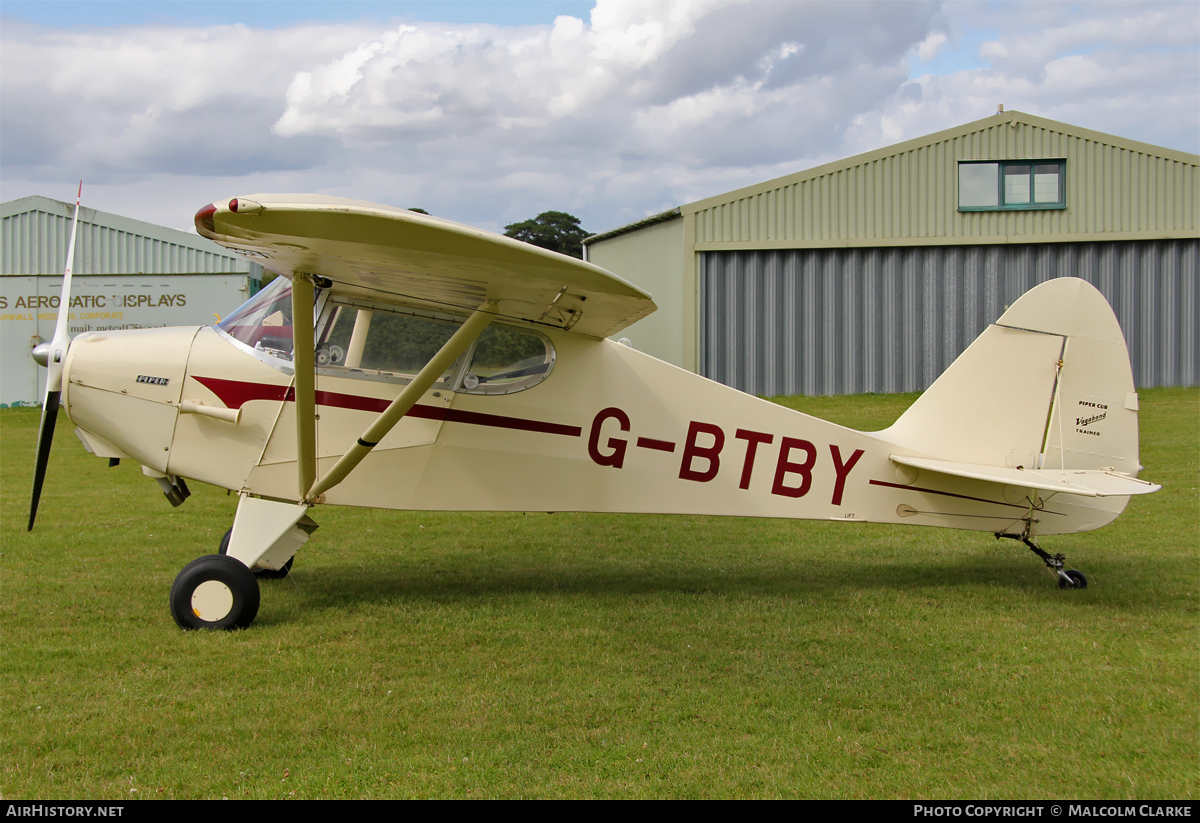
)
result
[(510, 655)]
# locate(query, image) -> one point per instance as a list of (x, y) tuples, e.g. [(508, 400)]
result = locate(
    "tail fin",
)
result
[(1047, 386)]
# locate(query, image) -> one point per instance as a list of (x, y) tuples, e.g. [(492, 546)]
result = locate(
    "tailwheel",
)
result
[(1072, 579), (261, 574), (1067, 578), (214, 592)]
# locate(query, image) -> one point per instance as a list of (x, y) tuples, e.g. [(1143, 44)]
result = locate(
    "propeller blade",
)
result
[(45, 436), (54, 368)]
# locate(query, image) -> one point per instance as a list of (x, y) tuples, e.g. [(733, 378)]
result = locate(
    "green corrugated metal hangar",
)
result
[(871, 274), (127, 274)]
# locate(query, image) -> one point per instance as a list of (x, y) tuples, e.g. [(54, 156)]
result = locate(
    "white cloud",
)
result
[(931, 45), (413, 78), (633, 33), (638, 107), (1074, 73), (1124, 68)]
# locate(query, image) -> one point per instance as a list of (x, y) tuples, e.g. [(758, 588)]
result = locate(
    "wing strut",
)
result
[(407, 398), (302, 360)]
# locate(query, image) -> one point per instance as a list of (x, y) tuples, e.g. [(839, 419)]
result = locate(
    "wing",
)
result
[(402, 256)]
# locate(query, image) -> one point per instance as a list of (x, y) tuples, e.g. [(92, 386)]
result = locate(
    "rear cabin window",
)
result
[(507, 360)]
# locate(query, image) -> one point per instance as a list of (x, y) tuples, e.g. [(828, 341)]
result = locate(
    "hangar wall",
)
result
[(908, 193), (657, 250), (873, 272), (127, 274), (848, 321)]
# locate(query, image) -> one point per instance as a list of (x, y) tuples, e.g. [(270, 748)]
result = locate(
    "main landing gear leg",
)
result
[(220, 591), (1067, 578), (259, 571)]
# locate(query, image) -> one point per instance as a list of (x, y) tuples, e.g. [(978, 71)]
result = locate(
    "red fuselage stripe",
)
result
[(657, 445), (234, 393)]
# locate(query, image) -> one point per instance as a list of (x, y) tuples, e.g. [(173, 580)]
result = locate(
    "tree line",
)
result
[(553, 230)]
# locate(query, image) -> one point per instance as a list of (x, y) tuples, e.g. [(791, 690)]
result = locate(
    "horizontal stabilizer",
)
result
[(1084, 482)]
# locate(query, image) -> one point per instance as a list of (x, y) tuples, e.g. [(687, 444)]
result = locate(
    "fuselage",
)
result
[(604, 428)]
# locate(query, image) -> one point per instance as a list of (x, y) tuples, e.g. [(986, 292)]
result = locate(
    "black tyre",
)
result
[(214, 592), (261, 574), (1078, 581)]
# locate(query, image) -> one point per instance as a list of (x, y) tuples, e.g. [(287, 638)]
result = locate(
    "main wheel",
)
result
[(214, 592), (261, 574), (1078, 581)]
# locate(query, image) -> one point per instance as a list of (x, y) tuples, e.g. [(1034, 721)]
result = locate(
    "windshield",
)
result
[(264, 321)]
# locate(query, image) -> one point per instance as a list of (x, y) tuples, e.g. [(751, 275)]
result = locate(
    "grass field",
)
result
[(510, 655)]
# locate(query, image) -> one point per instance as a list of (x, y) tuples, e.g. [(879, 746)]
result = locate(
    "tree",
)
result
[(554, 230)]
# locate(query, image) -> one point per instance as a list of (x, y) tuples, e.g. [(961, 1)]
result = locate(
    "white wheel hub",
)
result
[(212, 601)]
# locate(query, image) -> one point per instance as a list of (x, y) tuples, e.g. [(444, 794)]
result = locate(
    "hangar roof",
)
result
[(907, 194), (35, 232)]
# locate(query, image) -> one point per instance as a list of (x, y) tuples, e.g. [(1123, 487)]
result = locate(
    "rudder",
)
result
[(1048, 385)]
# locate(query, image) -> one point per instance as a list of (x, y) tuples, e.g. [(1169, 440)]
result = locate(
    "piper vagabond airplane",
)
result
[(400, 361)]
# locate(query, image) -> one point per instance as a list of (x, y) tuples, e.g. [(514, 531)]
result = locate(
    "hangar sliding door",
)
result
[(847, 321)]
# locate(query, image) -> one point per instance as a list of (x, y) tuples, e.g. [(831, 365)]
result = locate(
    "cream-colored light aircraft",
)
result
[(400, 361)]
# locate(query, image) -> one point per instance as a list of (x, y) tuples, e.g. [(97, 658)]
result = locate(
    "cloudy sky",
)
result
[(490, 112)]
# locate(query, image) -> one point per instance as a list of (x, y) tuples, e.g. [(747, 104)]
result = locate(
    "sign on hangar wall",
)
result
[(29, 308)]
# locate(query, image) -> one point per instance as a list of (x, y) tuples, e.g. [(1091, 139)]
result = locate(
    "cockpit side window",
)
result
[(369, 341)]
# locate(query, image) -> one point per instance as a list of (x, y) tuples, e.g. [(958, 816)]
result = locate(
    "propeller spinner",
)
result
[(55, 354)]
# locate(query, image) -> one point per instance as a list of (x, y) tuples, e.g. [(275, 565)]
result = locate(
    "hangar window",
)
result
[(1012, 185)]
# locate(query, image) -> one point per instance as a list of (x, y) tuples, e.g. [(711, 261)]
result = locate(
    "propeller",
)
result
[(55, 355)]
